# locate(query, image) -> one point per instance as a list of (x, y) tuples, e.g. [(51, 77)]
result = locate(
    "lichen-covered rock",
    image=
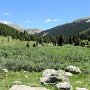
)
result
[(73, 69), (23, 87)]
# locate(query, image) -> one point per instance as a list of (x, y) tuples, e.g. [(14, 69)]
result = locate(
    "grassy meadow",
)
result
[(16, 57)]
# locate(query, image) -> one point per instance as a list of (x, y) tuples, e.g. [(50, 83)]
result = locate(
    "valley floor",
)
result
[(16, 57)]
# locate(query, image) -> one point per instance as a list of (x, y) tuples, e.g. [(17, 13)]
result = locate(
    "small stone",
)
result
[(17, 82), (78, 88)]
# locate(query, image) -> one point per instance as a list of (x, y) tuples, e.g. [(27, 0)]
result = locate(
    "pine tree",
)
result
[(60, 40), (27, 44), (34, 45), (70, 40)]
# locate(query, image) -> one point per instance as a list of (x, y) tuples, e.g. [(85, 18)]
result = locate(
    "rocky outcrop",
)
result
[(23, 87)]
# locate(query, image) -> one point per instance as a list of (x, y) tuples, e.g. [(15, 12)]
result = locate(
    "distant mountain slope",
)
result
[(75, 27), (33, 31), (7, 30)]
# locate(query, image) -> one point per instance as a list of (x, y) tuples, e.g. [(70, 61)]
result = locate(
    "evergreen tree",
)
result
[(61, 40), (27, 44), (34, 45), (70, 40)]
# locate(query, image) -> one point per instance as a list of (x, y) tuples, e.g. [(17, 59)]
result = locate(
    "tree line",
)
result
[(76, 39)]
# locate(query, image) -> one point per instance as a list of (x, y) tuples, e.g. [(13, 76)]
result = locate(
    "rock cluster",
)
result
[(59, 78)]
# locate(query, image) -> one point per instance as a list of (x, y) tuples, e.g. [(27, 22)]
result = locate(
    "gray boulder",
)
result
[(23, 87), (63, 86), (73, 69), (53, 76), (49, 76)]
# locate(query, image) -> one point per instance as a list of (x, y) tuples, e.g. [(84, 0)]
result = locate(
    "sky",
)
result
[(43, 14)]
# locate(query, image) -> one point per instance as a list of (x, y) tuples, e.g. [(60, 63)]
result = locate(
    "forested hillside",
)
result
[(6, 30), (80, 25)]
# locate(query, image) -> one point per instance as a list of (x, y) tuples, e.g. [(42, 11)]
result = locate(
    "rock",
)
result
[(51, 79), (53, 76), (49, 72), (44, 80), (78, 88), (23, 87), (17, 82), (73, 69), (5, 70), (62, 75), (49, 76), (68, 74), (64, 86)]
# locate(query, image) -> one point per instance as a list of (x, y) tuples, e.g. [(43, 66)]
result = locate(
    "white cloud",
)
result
[(48, 20), (5, 22), (55, 20), (27, 21), (52, 20), (6, 13)]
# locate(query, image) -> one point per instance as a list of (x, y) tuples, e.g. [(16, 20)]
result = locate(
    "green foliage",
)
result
[(40, 58)]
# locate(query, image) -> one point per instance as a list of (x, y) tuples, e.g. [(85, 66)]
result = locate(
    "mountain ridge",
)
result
[(68, 29)]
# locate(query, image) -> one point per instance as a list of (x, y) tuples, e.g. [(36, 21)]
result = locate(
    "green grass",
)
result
[(15, 56)]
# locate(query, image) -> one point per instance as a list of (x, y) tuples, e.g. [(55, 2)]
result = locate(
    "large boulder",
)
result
[(78, 88), (49, 76), (63, 86), (23, 87), (73, 69), (53, 76)]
